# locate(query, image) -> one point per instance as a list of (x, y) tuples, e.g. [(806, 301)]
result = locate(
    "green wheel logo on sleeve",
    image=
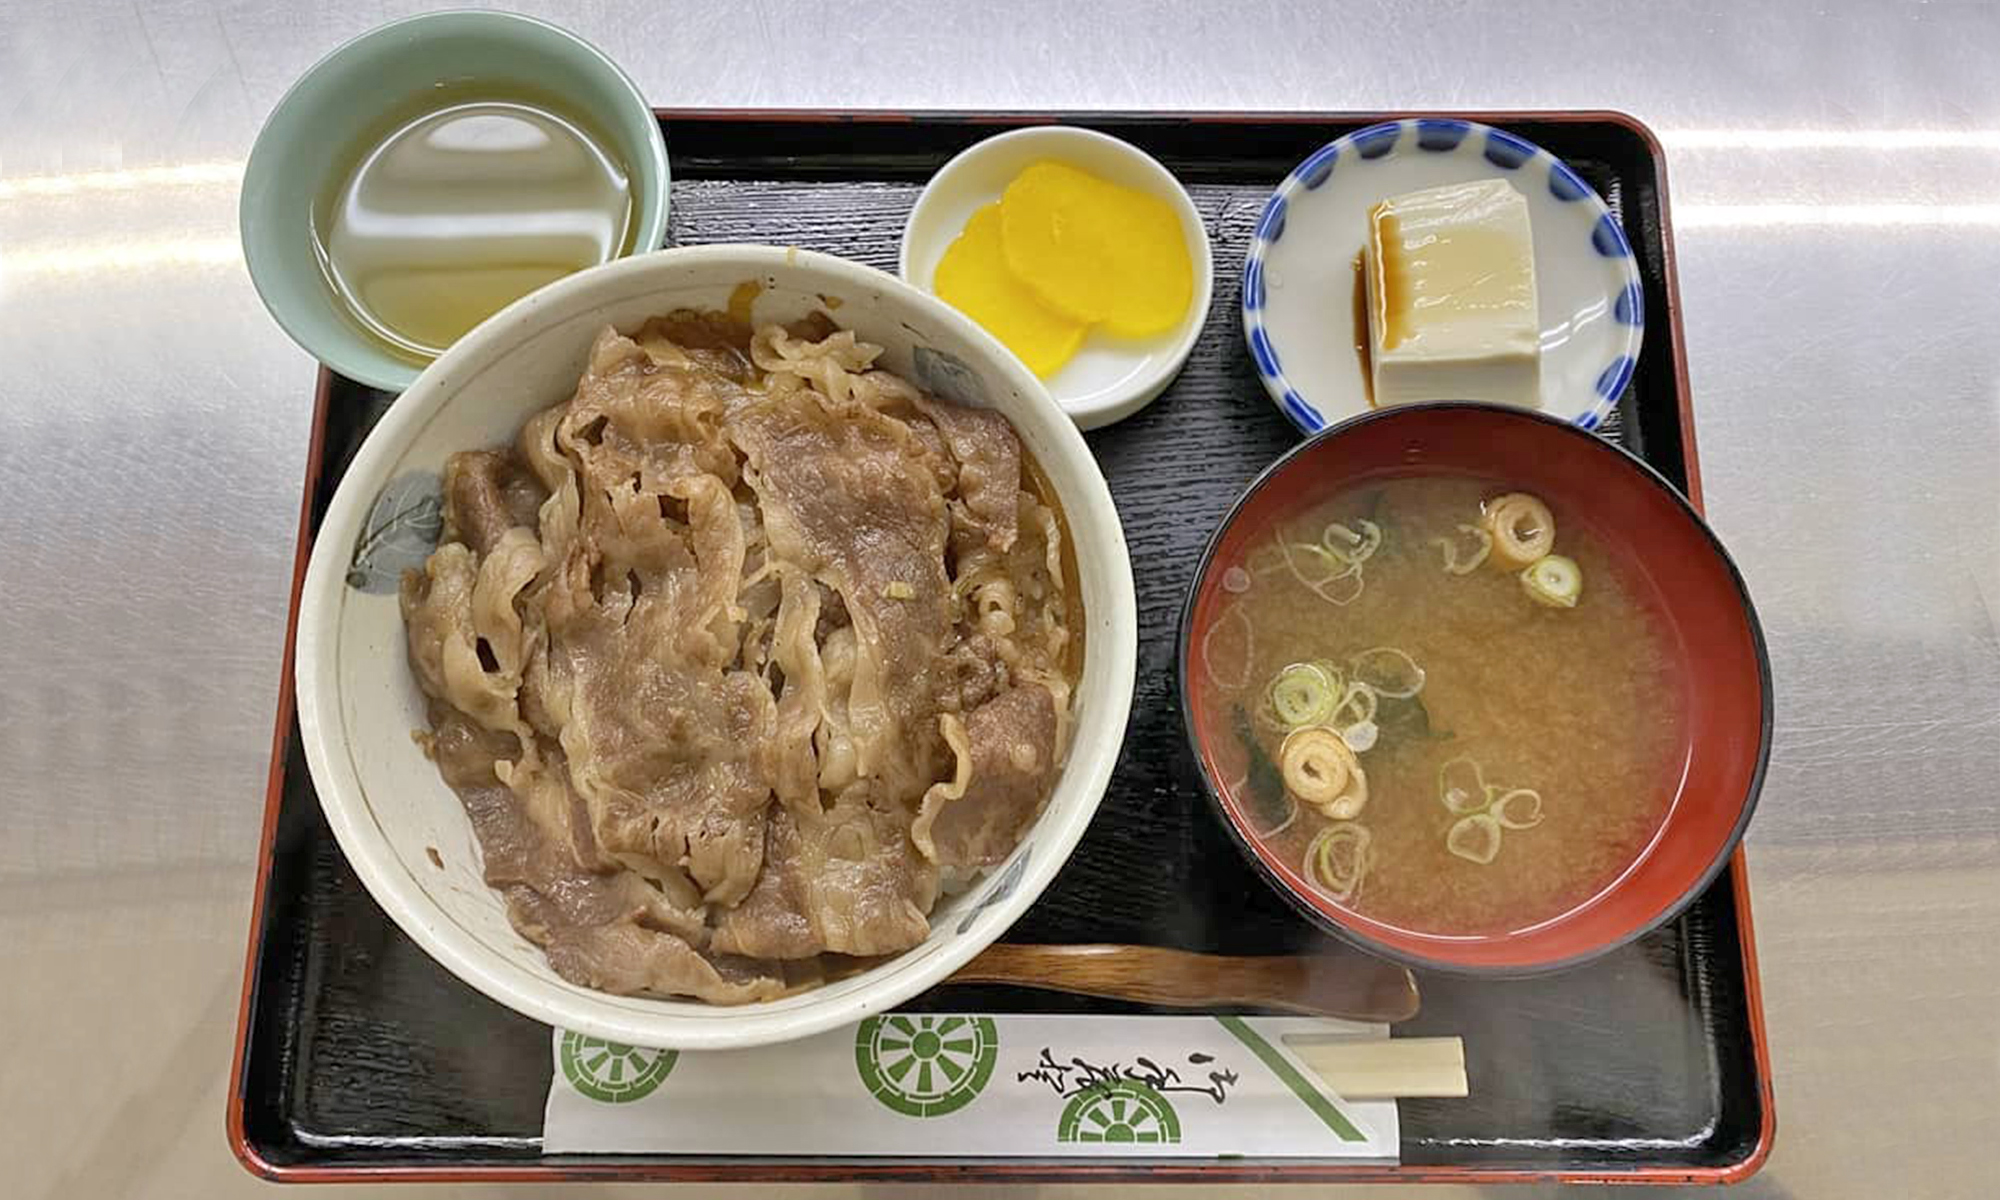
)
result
[(925, 1066), (611, 1073), (1126, 1112)]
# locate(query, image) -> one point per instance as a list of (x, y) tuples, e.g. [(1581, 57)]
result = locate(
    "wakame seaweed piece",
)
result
[(1265, 782), (1404, 719)]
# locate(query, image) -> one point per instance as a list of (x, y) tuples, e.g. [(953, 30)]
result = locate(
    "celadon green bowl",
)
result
[(361, 84)]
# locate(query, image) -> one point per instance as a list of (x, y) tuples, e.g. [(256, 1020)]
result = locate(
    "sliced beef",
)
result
[(846, 881), (1006, 761), (989, 467), (852, 503), (486, 493), (664, 750), (697, 664), (629, 959)]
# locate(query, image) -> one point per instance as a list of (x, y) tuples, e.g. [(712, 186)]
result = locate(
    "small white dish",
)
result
[(1110, 378), (1298, 277)]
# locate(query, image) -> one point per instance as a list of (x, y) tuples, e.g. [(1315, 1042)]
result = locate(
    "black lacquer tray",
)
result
[(360, 1058)]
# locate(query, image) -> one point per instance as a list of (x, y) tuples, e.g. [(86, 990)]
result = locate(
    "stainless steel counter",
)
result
[(1836, 187)]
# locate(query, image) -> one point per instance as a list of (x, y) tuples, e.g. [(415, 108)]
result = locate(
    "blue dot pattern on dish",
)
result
[(1253, 285), (1564, 184), (1437, 135), (1631, 306), (1615, 377), (1305, 415), (1377, 140), (1272, 227), (1260, 349), (1609, 239), (1315, 171), (1506, 151), (1588, 422)]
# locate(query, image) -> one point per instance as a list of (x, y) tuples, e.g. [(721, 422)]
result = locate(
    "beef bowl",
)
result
[(714, 648)]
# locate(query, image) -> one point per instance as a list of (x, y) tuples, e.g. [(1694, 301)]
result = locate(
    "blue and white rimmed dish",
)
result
[(1299, 276)]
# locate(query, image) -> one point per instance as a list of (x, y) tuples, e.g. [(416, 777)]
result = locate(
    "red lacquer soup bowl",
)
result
[(1669, 561)]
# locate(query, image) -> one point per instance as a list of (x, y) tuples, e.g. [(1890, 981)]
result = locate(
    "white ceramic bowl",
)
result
[(358, 700), (1110, 378)]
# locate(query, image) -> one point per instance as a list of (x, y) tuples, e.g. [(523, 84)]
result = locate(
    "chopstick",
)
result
[(1384, 1068)]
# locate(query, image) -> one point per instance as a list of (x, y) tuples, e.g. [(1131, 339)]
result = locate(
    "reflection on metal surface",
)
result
[(1812, 216), (147, 201), (83, 258), (192, 174), (1872, 140)]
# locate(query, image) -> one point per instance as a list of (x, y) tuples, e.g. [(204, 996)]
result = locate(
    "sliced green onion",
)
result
[(1233, 618), (1520, 808), (1338, 858), (1474, 838), (1457, 559), (1344, 589), (1389, 671), (1353, 547), (1360, 736), (1331, 577), (1314, 564), (1357, 704), (1303, 695), (1553, 580), (1334, 673), (1461, 786), (1267, 713)]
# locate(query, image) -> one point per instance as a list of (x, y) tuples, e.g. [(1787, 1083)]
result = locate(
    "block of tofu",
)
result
[(1450, 285)]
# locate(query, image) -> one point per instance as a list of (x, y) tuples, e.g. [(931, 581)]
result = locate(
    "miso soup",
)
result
[(1446, 706)]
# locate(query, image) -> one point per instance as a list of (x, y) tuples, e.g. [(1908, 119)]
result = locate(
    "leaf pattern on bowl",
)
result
[(948, 378), (1001, 889), (402, 529)]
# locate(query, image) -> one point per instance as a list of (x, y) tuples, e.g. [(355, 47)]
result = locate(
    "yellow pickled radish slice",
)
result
[(973, 278), (1097, 251)]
